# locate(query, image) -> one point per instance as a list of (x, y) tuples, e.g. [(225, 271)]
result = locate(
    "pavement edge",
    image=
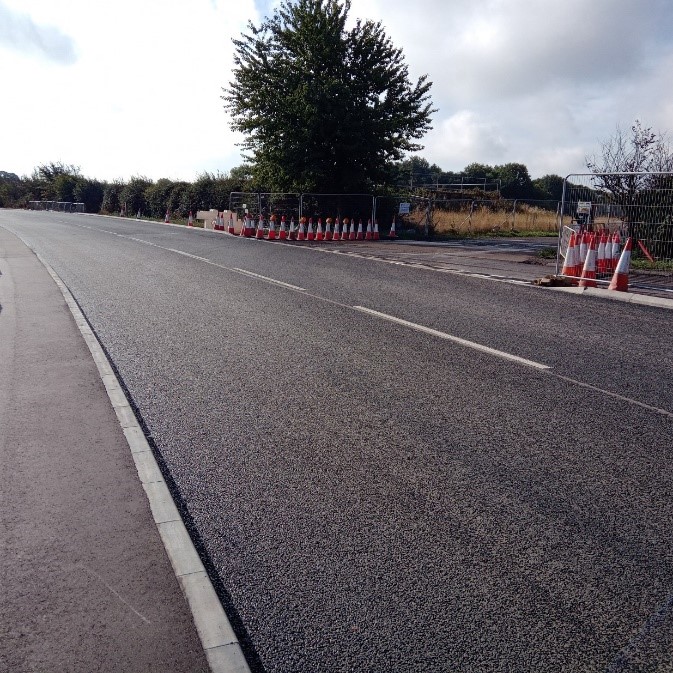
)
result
[(221, 647)]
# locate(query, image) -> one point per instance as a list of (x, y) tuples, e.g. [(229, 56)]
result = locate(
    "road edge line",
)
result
[(220, 645)]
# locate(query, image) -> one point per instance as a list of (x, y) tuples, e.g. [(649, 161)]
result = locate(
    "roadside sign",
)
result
[(584, 207), (405, 208)]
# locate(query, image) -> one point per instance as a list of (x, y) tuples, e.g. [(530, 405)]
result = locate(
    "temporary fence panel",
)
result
[(631, 205), (410, 213), (60, 206), (245, 203), (280, 204), (354, 206)]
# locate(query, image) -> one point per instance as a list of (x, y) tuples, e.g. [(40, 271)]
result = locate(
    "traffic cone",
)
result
[(328, 229), (584, 246), (293, 229), (375, 235), (359, 236), (589, 270), (230, 229), (190, 221), (368, 234), (392, 233), (310, 236), (620, 280), (167, 219), (272, 228), (260, 227), (601, 265), (336, 236), (351, 233), (282, 235), (319, 236), (570, 264), (614, 251), (301, 236), (244, 226)]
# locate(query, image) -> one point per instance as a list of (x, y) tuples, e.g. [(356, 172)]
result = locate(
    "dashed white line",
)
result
[(454, 339), (269, 280)]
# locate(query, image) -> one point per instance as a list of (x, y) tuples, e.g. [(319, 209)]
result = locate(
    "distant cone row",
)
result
[(306, 230), (590, 256)]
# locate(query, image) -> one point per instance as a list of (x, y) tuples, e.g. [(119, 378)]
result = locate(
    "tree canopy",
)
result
[(323, 107)]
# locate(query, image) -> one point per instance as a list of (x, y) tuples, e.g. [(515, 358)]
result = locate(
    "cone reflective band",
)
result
[(620, 281)]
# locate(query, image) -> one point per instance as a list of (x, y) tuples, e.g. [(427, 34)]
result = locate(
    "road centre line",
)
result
[(442, 335), (454, 339)]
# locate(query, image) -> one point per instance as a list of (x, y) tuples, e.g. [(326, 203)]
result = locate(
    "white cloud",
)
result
[(538, 83)]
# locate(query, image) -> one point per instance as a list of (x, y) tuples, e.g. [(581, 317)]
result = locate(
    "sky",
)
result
[(131, 88)]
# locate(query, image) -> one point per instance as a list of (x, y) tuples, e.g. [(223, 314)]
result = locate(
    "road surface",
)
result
[(388, 467)]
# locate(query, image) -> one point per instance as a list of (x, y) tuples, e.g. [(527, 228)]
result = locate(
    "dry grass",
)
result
[(484, 220)]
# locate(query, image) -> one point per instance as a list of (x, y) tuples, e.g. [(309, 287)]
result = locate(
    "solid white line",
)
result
[(454, 339), (269, 280)]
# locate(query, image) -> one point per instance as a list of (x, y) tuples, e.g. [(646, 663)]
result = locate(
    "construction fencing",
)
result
[(631, 205), (59, 206)]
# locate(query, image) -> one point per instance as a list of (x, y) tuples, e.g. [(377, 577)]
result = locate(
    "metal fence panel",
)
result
[(635, 205), (410, 213), (243, 203), (280, 204), (354, 206)]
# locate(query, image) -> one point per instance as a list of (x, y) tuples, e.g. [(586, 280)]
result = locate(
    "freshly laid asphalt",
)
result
[(85, 582), (372, 497)]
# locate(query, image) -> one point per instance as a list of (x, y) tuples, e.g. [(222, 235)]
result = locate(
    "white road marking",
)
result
[(269, 280), (454, 339)]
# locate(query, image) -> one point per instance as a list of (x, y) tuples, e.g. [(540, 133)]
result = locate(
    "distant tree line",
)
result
[(57, 181)]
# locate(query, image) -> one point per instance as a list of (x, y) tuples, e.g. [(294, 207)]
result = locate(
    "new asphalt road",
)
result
[(389, 468)]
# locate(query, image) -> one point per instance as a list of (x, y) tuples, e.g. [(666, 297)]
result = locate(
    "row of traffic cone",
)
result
[(607, 252), (304, 232), (333, 231), (586, 271)]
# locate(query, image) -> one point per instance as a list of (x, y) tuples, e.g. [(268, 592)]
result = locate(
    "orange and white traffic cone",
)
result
[(272, 228), (282, 234), (230, 228), (583, 248), (614, 251), (301, 236), (260, 227), (376, 235), (167, 219), (392, 233), (328, 229), (319, 236), (601, 264), (589, 270), (310, 236), (570, 266), (620, 280), (190, 221), (336, 236), (351, 233), (359, 236), (293, 229), (368, 234)]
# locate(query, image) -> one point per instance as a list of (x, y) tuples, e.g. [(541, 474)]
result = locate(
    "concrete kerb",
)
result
[(221, 647), (627, 297)]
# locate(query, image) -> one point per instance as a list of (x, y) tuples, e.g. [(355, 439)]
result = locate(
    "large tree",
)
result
[(323, 107)]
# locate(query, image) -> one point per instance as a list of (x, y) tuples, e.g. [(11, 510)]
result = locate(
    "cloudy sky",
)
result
[(132, 87)]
